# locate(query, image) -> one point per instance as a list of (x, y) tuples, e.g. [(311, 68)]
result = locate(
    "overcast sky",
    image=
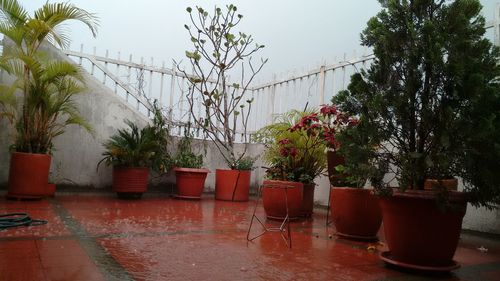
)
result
[(297, 34)]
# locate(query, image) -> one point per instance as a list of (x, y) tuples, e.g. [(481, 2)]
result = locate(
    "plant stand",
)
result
[(283, 228)]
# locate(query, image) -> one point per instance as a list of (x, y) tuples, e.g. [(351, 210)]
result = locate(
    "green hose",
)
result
[(18, 219)]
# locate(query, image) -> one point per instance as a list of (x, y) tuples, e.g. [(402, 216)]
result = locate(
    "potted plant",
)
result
[(133, 152), (295, 152), (430, 100), (47, 86), (354, 209), (219, 51), (190, 177)]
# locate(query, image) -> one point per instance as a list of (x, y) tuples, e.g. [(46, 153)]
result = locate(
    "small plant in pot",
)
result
[(47, 89), (431, 101), (190, 177), (221, 50), (132, 152), (295, 152)]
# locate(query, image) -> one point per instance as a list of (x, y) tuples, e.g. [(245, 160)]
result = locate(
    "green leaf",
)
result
[(193, 55)]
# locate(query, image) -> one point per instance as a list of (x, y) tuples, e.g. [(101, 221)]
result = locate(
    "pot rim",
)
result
[(32, 154), (456, 196), (191, 170), (354, 189)]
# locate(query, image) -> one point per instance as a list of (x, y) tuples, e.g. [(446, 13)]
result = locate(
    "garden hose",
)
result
[(18, 219)]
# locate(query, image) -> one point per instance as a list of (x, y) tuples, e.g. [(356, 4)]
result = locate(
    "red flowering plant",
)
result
[(334, 127), (295, 147), (334, 122)]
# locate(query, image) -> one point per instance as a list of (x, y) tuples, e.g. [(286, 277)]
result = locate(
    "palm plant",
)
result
[(49, 106), (7, 101), (47, 86), (130, 147), (134, 147)]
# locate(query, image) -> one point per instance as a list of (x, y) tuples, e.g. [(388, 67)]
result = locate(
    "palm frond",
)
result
[(12, 12), (57, 13)]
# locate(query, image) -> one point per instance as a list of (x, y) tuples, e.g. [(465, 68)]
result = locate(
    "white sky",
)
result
[(298, 35)]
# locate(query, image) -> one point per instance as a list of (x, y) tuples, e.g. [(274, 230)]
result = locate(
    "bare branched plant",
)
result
[(221, 51)]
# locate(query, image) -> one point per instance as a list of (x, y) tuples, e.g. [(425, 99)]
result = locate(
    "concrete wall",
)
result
[(77, 152)]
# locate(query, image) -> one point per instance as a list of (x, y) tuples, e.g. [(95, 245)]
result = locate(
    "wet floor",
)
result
[(98, 237)]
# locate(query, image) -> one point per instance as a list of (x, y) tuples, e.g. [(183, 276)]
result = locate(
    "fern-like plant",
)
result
[(134, 147), (293, 155)]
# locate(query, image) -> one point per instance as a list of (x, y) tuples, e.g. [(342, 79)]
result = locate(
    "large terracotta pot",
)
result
[(355, 212), (130, 182), (275, 195), (190, 182), (28, 175), (419, 234), (308, 200), (232, 185)]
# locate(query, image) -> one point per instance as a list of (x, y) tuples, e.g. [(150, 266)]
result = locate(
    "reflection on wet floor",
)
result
[(99, 237)]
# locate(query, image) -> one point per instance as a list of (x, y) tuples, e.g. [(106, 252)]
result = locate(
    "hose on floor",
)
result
[(18, 219)]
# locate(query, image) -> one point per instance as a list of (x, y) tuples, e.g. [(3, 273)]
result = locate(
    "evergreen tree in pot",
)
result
[(220, 50), (47, 87), (430, 100)]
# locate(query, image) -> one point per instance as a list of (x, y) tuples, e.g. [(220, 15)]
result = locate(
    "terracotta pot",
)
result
[(308, 200), (419, 234), (355, 212), (190, 182), (449, 184), (130, 181), (333, 160), (28, 175), (275, 195), (232, 185)]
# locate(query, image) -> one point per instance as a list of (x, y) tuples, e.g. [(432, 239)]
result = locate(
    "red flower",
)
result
[(328, 110), (284, 142), (284, 152)]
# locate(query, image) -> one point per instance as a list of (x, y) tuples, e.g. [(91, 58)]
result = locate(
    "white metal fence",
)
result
[(139, 83)]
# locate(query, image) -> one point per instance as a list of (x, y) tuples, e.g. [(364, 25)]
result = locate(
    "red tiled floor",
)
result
[(98, 237)]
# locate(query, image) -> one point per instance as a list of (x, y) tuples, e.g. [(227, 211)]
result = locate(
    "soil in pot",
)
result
[(190, 182), (28, 175), (232, 185), (275, 195), (418, 232), (355, 213)]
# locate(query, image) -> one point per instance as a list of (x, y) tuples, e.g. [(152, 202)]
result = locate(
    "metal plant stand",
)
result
[(328, 221), (283, 228)]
